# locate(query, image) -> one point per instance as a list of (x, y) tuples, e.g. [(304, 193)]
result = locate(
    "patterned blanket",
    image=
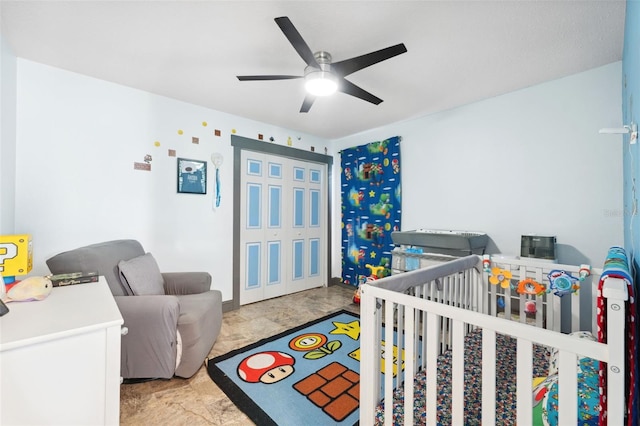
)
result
[(505, 386), (617, 266)]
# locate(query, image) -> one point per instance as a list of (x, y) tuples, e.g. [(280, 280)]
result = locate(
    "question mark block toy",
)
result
[(16, 255)]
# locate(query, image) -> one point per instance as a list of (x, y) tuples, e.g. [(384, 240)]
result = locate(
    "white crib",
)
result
[(436, 307)]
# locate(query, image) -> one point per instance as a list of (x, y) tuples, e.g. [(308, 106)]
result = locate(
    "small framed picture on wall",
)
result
[(192, 176)]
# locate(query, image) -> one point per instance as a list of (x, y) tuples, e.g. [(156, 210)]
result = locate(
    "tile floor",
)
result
[(197, 400)]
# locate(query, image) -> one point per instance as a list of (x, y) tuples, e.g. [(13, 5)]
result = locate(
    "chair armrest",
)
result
[(179, 283), (149, 348)]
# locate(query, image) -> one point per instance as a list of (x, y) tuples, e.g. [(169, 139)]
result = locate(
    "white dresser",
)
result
[(60, 358)]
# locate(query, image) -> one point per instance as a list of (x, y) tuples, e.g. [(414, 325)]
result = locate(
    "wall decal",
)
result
[(204, 124), (148, 158), (180, 131), (195, 140), (233, 131), (260, 136), (272, 139), (289, 141), (217, 132), (156, 143), (142, 166), (172, 153)]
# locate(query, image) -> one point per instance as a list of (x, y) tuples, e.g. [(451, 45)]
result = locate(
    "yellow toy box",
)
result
[(16, 255)]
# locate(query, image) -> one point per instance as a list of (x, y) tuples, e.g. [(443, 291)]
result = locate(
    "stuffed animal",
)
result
[(32, 288)]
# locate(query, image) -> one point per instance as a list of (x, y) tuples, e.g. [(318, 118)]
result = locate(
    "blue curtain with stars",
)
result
[(371, 208)]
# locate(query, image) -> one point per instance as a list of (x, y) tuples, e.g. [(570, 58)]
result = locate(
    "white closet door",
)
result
[(283, 226)]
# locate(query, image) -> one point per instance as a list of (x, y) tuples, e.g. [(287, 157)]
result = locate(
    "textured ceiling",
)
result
[(458, 51)]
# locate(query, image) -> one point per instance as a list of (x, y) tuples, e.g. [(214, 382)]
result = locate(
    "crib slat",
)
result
[(567, 389), (432, 366), (553, 320), (444, 321), (457, 375), (575, 311), (388, 362), (399, 336), (467, 285), (370, 341), (457, 295), (539, 300), (409, 371), (488, 377), (450, 282), (506, 292), (433, 295), (522, 298), (493, 308), (448, 301), (480, 294), (423, 314), (506, 296), (549, 312), (478, 287), (524, 373), (417, 341), (557, 320), (594, 297), (486, 295)]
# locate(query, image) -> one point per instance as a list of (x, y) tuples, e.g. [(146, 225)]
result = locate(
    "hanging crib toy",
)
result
[(500, 276), (531, 287), (561, 283), (486, 262)]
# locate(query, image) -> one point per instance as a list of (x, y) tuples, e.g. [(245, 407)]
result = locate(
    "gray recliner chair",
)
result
[(172, 326)]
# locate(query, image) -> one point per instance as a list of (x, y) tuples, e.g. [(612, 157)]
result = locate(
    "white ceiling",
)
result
[(458, 51)]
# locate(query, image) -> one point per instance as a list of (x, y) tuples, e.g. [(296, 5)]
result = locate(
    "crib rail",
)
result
[(432, 309)]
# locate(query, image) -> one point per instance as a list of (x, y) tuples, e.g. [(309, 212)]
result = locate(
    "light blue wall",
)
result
[(529, 161), (631, 113)]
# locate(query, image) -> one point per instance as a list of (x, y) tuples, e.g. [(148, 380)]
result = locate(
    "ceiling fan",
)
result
[(322, 76)]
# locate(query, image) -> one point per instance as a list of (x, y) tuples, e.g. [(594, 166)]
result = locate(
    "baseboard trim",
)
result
[(334, 281), (228, 306)]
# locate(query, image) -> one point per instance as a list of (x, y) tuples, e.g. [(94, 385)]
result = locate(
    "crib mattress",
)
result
[(505, 384)]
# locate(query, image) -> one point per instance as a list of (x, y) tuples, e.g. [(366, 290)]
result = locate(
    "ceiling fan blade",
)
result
[(296, 41), (306, 104), (352, 65), (351, 89), (266, 77)]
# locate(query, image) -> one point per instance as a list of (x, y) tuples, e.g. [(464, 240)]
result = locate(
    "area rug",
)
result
[(308, 375)]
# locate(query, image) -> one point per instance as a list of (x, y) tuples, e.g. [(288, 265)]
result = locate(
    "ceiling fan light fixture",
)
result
[(320, 83), (323, 77)]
